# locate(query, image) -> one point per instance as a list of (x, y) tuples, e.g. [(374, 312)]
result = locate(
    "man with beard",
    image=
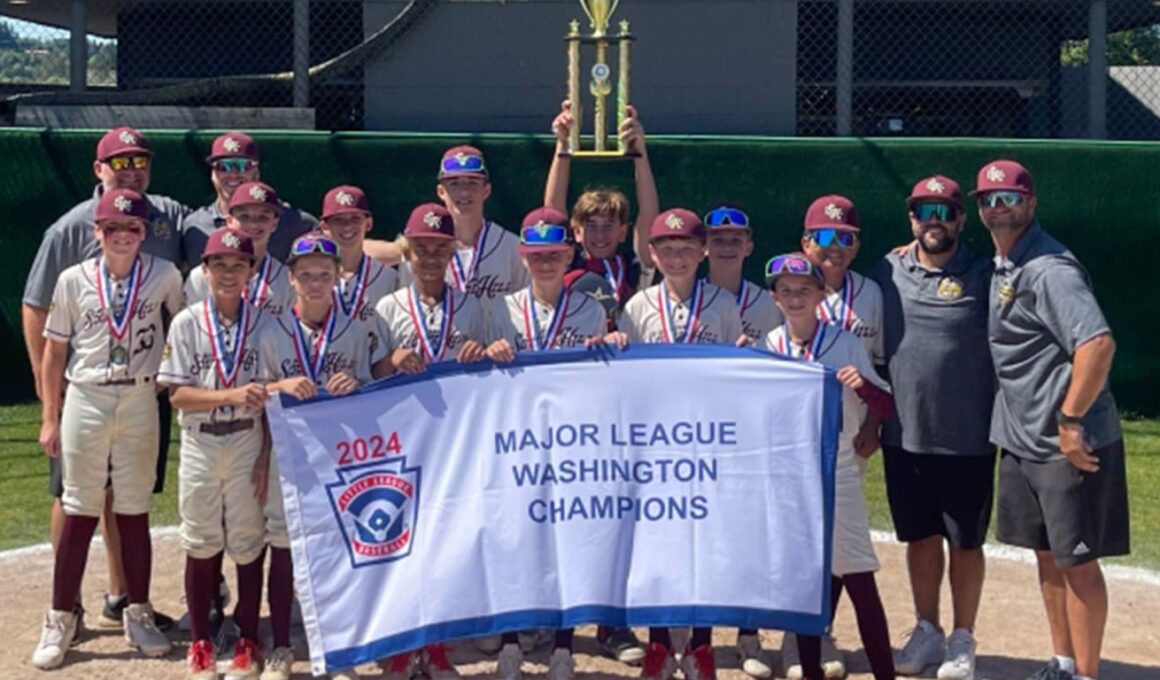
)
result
[(939, 462)]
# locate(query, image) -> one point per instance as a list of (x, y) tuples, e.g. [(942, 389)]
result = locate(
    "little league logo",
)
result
[(376, 506)]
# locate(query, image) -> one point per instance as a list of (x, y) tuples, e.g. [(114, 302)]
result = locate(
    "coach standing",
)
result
[(939, 463), (1062, 488)]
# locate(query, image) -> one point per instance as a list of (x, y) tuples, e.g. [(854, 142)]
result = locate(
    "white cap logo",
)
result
[(231, 145), (231, 240), (995, 174), (343, 198), (935, 186), (123, 204), (258, 193), (432, 220), (833, 212), (673, 222), (127, 137)]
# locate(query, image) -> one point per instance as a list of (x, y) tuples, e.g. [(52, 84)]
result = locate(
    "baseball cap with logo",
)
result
[(430, 220), (677, 222), (544, 229), (832, 212), (345, 199), (1003, 175), (462, 161), (256, 193), (937, 188), (117, 204), (233, 145), (228, 242), (121, 141)]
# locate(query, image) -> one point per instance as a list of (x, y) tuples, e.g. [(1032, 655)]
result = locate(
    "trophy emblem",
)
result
[(600, 86)]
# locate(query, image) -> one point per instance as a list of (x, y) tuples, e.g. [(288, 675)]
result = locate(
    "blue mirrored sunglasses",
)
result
[(942, 212), (311, 245), (830, 237), (1007, 198), (463, 164), (726, 217), (544, 235), (234, 164)]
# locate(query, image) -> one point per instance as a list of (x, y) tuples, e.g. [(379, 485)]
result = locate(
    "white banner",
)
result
[(668, 485)]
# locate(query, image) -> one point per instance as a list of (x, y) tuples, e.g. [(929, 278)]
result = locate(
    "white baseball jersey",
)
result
[(114, 326), (759, 314), (288, 347), (437, 331), (204, 352), (359, 292), (652, 317), (269, 289), (529, 324), (857, 309), (490, 270)]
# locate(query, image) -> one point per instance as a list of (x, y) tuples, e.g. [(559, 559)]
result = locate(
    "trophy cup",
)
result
[(599, 15)]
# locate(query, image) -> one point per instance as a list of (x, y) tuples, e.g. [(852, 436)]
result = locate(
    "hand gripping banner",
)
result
[(663, 485)]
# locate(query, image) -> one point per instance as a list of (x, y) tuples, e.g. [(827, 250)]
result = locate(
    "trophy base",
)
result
[(600, 155)]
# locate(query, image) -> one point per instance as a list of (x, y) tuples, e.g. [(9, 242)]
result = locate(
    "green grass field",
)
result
[(24, 501)]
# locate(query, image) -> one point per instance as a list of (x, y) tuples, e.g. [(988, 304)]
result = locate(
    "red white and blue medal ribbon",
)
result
[(313, 358), (258, 287), (810, 352), (226, 363), (359, 289), (841, 311), (668, 327), (532, 324), (743, 296), (431, 353), (118, 323), (615, 279), (462, 276)]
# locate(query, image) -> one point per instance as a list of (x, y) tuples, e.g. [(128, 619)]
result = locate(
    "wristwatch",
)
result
[(1062, 418)]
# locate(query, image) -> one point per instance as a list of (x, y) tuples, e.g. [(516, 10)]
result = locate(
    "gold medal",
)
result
[(950, 288), (119, 356)]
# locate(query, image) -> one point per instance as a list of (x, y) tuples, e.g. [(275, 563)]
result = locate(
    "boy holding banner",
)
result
[(798, 287), (314, 345)]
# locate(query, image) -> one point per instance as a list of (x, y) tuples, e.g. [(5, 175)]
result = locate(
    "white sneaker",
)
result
[(511, 657), (55, 638), (488, 644), (561, 665), (791, 663), (278, 664), (923, 649), (833, 661), (752, 658), (141, 631), (347, 674), (959, 662)]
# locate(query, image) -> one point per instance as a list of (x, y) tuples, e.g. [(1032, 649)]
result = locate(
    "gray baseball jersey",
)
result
[(651, 317), (370, 282), (759, 314), (288, 347), (857, 308), (497, 271), (537, 327), (114, 327), (269, 289), (404, 318), (201, 351), (70, 240), (204, 221)]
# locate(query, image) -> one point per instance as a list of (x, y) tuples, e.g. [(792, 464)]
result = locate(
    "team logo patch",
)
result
[(995, 174), (833, 212), (432, 220), (461, 159), (231, 145), (160, 228), (231, 240), (343, 198), (127, 137), (950, 288), (935, 186), (376, 507), (1006, 292), (673, 222), (123, 204), (258, 193)]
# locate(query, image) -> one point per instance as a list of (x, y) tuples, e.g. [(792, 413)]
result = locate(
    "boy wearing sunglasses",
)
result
[(798, 287), (233, 161), (730, 242), (104, 336), (939, 460), (254, 210)]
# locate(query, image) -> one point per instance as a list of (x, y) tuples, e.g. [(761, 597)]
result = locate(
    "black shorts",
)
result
[(1052, 505), (164, 416), (940, 495)]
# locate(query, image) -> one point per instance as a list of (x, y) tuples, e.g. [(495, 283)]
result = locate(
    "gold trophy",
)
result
[(599, 15)]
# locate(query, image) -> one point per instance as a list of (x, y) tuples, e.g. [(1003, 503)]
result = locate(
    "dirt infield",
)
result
[(1012, 633)]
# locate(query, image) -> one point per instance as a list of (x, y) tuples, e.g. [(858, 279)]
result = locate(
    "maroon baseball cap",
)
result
[(118, 204), (121, 141), (677, 222), (227, 241), (543, 229), (233, 145), (832, 212), (937, 188), (462, 161), (256, 193), (1003, 175), (430, 220), (345, 199)]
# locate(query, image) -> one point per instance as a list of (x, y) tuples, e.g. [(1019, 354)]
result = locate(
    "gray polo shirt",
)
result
[(208, 219), (939, 364), (70, 241), (1042, 310)]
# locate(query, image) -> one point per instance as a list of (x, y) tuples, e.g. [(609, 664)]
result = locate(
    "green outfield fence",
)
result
[(1099, 198)]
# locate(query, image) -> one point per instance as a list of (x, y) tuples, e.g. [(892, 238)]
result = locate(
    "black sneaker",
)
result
[(621, 644), (1051, 671), (224, 633), (111, 615), (79, 612)]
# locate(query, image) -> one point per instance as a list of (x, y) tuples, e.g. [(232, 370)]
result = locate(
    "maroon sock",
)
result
[(564, 638), (69, 562), (836, 583), (810, 654), (198, 581), (249, 597), (661, 637), (700, 638), (280, 593), (872, 626), (218, 579), (509, 638), (136, 555)]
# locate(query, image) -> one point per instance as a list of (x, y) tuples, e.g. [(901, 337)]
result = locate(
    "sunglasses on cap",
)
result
[(942, 212), (463, 163), (791, 264), (314, 245), (544, 235), (1007, 198), (234, 164), (119, 163), (726, 217), (833, 237)]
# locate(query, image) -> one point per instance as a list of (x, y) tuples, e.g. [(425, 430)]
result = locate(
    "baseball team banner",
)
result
[(664, 485)]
